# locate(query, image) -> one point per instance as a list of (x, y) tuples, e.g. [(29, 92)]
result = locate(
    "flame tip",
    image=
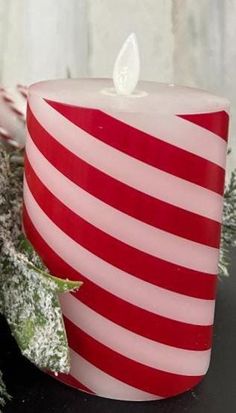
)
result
[(127, 67)]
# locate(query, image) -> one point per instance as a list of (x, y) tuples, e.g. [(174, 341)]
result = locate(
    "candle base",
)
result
[(71, 382)]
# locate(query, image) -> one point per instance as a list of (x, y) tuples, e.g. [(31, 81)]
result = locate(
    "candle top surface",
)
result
[(149, 96)]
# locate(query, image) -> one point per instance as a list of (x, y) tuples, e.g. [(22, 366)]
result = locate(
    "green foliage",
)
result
[(228, 235), (29, 295), (3, 393), (32, 309)]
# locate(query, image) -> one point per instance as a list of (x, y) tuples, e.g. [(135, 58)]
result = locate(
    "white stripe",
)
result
[(119, 225), (126, 169), (138, 348), (150, 297), (103, 384), (178, 132)]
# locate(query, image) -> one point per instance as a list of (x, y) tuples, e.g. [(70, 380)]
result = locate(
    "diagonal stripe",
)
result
[(92, 295), (146, 324), (135, 233), (189, 336), (135, 374), (75, 260), (126, 169), (146, 148), (103, 384), (216, 122), (62, 267), (131, 345), (176, 131), (188, 309), (115, 193)]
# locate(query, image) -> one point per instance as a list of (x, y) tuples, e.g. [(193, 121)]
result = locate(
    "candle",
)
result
[(123, 191)]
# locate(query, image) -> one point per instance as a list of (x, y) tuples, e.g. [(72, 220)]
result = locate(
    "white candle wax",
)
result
[(159, 98), (125, 194)]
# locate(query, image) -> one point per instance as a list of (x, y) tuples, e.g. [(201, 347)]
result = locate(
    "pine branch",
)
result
[(28, 293), (4, 396), (228, 235)]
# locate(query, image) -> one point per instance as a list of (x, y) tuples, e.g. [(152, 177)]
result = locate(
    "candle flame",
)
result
[(127, 67)]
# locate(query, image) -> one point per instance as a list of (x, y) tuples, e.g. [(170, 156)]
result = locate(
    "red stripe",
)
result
[(216, 122), (126, 370), (145, 323), (7, 99), (23, 90), (135, 203), (144, 147), (168, 383), (70, 381), (190, 336), (17, 111), (119, 254)]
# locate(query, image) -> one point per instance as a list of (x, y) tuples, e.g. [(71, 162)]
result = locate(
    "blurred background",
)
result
[(186, 42)]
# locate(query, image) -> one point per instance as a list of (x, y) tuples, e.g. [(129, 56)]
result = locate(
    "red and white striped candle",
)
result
[(125, 193)]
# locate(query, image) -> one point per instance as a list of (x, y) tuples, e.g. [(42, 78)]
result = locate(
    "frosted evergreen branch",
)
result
[(228, 235), (4, 396), (28, 293)]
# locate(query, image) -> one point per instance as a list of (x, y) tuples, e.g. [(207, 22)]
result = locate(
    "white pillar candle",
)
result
[(125, 192)]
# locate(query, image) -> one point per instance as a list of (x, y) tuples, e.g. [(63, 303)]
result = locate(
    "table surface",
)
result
[(35, 392)]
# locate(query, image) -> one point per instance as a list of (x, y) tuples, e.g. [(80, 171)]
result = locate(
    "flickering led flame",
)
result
[(127, 67)]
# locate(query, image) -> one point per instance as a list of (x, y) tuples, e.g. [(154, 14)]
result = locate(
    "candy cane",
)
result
[(23, 90), (4, 135), (12, 104)]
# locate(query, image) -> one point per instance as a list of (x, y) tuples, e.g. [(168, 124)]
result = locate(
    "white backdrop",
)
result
[(182, 41)]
